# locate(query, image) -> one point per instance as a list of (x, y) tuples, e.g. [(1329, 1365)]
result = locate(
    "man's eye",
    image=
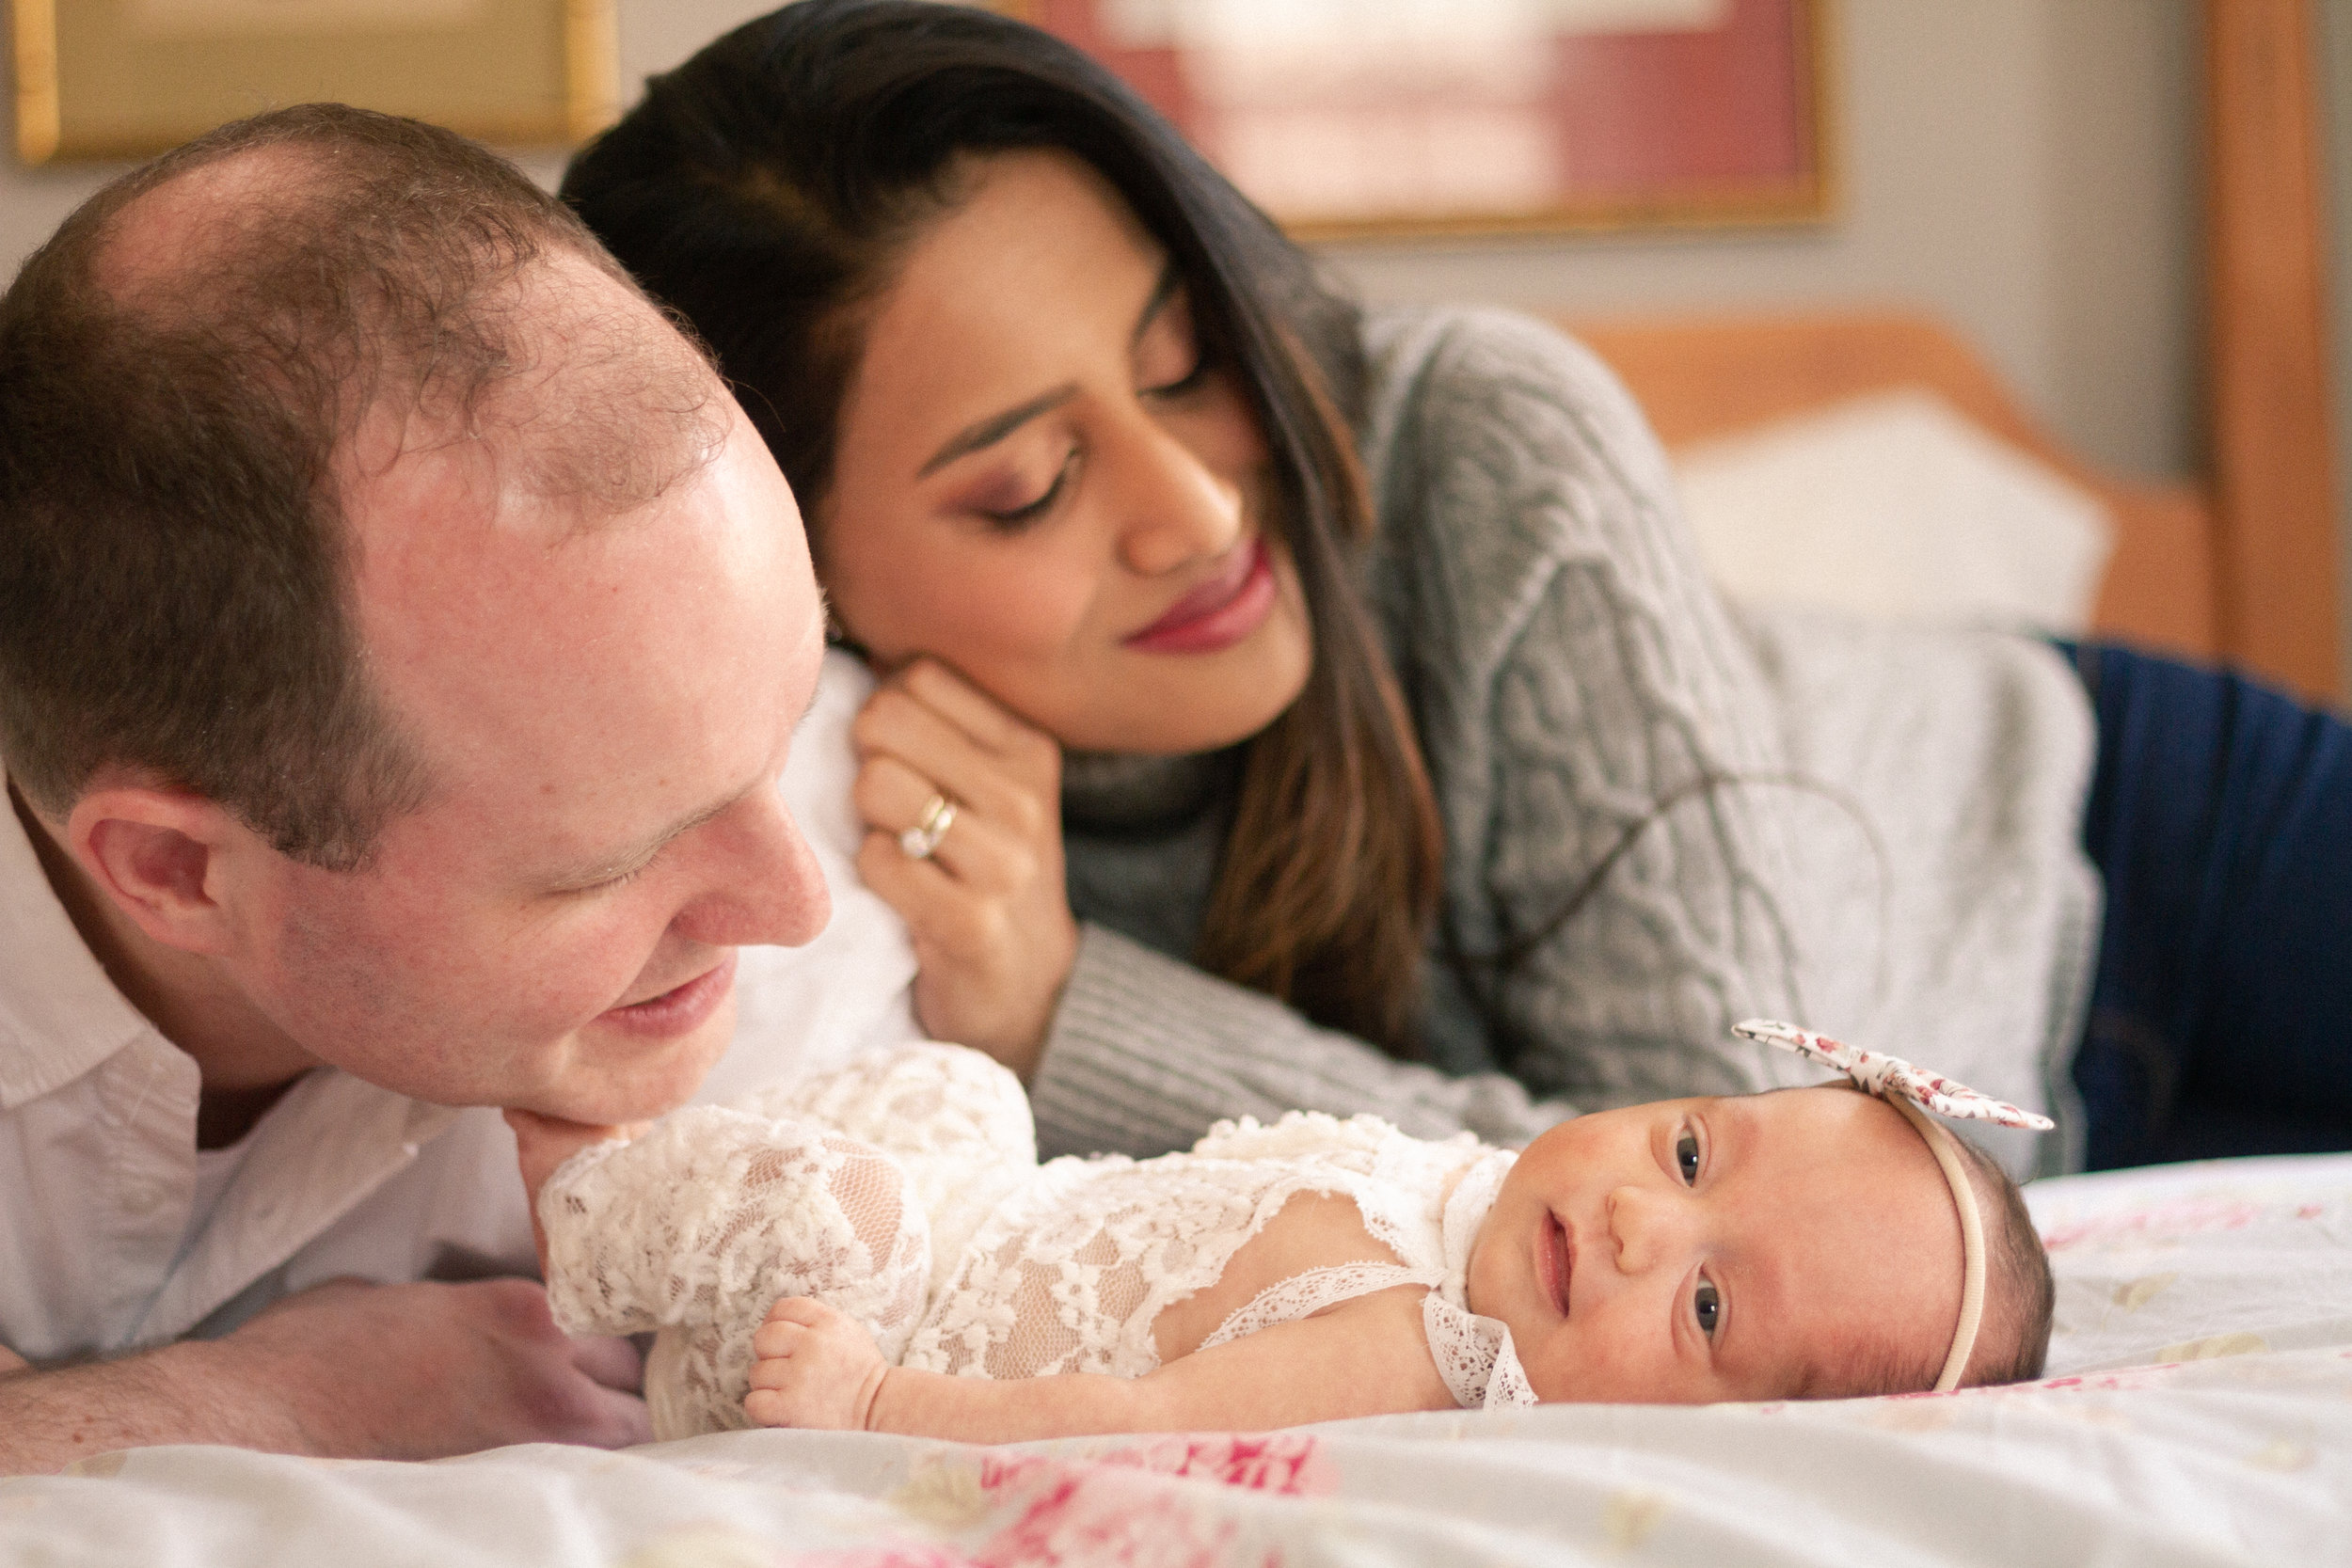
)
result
[(1687, 1156), (1708, 1306)]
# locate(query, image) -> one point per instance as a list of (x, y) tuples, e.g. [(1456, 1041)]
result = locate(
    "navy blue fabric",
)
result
[(2220, 816)]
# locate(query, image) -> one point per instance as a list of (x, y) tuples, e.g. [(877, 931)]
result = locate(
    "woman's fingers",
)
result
[(1005, 767), (891, 796), (959, 924), (985, 901), (990, 724), (977, 850), (897, 726)]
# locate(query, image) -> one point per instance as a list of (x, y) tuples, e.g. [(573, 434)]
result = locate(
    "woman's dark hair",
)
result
[(766, 189)]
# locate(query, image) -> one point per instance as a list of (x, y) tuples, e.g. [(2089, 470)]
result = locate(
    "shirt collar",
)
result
[(60, 1016)]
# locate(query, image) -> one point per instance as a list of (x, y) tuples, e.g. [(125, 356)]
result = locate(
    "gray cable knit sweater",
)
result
[(1871, 831)]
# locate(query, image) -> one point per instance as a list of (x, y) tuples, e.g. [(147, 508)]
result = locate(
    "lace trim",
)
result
[(1302, 1295), (1465, 1216), (1508, 1385), (1476, 1356)]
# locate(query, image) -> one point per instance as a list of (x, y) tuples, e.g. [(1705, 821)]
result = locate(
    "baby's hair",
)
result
[(2020, 1299), (2020, 1296)]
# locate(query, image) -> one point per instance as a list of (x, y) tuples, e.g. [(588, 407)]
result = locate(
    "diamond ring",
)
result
[(939, 815)]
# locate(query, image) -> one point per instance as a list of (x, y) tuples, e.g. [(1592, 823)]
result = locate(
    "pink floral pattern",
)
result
[(1135, 1504), (1884, 1075), (2184, 1217)]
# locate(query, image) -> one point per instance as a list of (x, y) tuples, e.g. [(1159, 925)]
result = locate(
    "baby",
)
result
[(879, 1248)]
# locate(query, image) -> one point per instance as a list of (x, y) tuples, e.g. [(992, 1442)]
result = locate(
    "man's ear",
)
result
[(160, 856)]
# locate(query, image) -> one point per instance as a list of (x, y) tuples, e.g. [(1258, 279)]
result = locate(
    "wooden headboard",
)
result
[(1699, 378), (2241, 566)]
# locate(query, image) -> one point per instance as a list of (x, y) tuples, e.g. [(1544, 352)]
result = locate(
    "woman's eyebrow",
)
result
[(988, 432)]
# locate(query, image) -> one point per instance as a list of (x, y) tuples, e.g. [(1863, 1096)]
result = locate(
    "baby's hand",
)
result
[(816, 1368)]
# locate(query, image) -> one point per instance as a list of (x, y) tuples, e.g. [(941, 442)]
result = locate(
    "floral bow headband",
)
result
[(1891, 1077), (1914, 1091)]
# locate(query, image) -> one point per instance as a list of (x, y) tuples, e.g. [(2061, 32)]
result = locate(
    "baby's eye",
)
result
[(1687, 1156), (1709, 1305)]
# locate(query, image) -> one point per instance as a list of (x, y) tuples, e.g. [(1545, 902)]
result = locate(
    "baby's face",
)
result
[(1743, 1248)]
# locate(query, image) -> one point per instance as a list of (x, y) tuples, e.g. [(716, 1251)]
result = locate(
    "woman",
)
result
[(1274, 695)]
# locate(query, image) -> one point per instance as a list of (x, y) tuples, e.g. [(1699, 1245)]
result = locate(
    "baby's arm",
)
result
[(1367, 1357), (713, 1214)]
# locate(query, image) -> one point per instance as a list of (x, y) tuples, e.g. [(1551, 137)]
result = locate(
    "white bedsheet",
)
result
[(2239, 1451)]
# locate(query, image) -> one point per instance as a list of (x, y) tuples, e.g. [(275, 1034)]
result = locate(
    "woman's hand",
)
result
[(987, 908)]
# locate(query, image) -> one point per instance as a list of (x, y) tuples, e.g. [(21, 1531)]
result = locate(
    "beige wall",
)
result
[(2021, 167), (2336, 45)]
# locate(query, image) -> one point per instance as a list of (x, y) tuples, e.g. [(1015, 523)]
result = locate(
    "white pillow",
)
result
[(1894, 507)]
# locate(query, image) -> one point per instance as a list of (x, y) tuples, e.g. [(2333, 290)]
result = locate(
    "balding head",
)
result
[(402, 630), (195, 374)]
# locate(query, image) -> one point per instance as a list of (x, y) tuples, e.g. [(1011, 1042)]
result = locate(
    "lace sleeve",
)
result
[(716, 1214), (956, 1122), (920, 1099)]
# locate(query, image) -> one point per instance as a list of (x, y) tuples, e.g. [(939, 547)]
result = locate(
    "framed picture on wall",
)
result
[(125, 78), (1398, 118)]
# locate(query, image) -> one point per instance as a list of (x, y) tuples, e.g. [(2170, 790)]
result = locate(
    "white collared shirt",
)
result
[(98, 1158)]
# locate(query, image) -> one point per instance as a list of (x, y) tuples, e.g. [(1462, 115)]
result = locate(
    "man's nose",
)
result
[(1648, 1227), (1173, 507), (770, 891)]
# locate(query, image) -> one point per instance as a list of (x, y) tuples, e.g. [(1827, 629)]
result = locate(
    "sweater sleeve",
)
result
[(1631, 865), (1146, 1053)]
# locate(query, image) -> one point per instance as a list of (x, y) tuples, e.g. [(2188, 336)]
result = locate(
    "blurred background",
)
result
[(2027, 172)]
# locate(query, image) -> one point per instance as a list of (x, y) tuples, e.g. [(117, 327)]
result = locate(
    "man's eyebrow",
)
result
[(988, 432), (626, 860), (623, 864)]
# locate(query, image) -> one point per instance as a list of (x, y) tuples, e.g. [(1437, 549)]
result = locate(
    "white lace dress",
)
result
[(904, 1189)]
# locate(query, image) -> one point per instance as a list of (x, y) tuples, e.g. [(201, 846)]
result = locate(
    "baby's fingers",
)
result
[(782, 1368), (787, 1322)]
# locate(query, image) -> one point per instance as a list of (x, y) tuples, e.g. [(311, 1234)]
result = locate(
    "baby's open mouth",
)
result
[(1560, 1253)]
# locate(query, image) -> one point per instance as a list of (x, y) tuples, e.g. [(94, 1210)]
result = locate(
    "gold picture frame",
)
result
[(1635, 115), (113, 79)]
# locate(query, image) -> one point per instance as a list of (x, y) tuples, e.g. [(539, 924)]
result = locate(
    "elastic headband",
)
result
[(1914, 1091)]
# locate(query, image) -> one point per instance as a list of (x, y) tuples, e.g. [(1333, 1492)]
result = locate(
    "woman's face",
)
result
[(1039, 481)]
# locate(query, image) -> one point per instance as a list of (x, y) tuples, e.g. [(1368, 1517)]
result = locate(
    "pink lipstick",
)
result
[(1217, 613)]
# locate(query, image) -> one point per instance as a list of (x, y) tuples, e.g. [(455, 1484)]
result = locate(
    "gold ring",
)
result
[(939, 815)]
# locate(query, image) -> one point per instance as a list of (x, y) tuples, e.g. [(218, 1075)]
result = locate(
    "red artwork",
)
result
[(1355, 115)]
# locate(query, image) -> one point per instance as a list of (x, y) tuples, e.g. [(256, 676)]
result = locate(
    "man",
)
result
[(401, 633)]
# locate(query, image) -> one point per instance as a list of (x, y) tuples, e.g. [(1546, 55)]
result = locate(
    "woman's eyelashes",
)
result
[(1169, 361), (1012, 518), (1183, 385)]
